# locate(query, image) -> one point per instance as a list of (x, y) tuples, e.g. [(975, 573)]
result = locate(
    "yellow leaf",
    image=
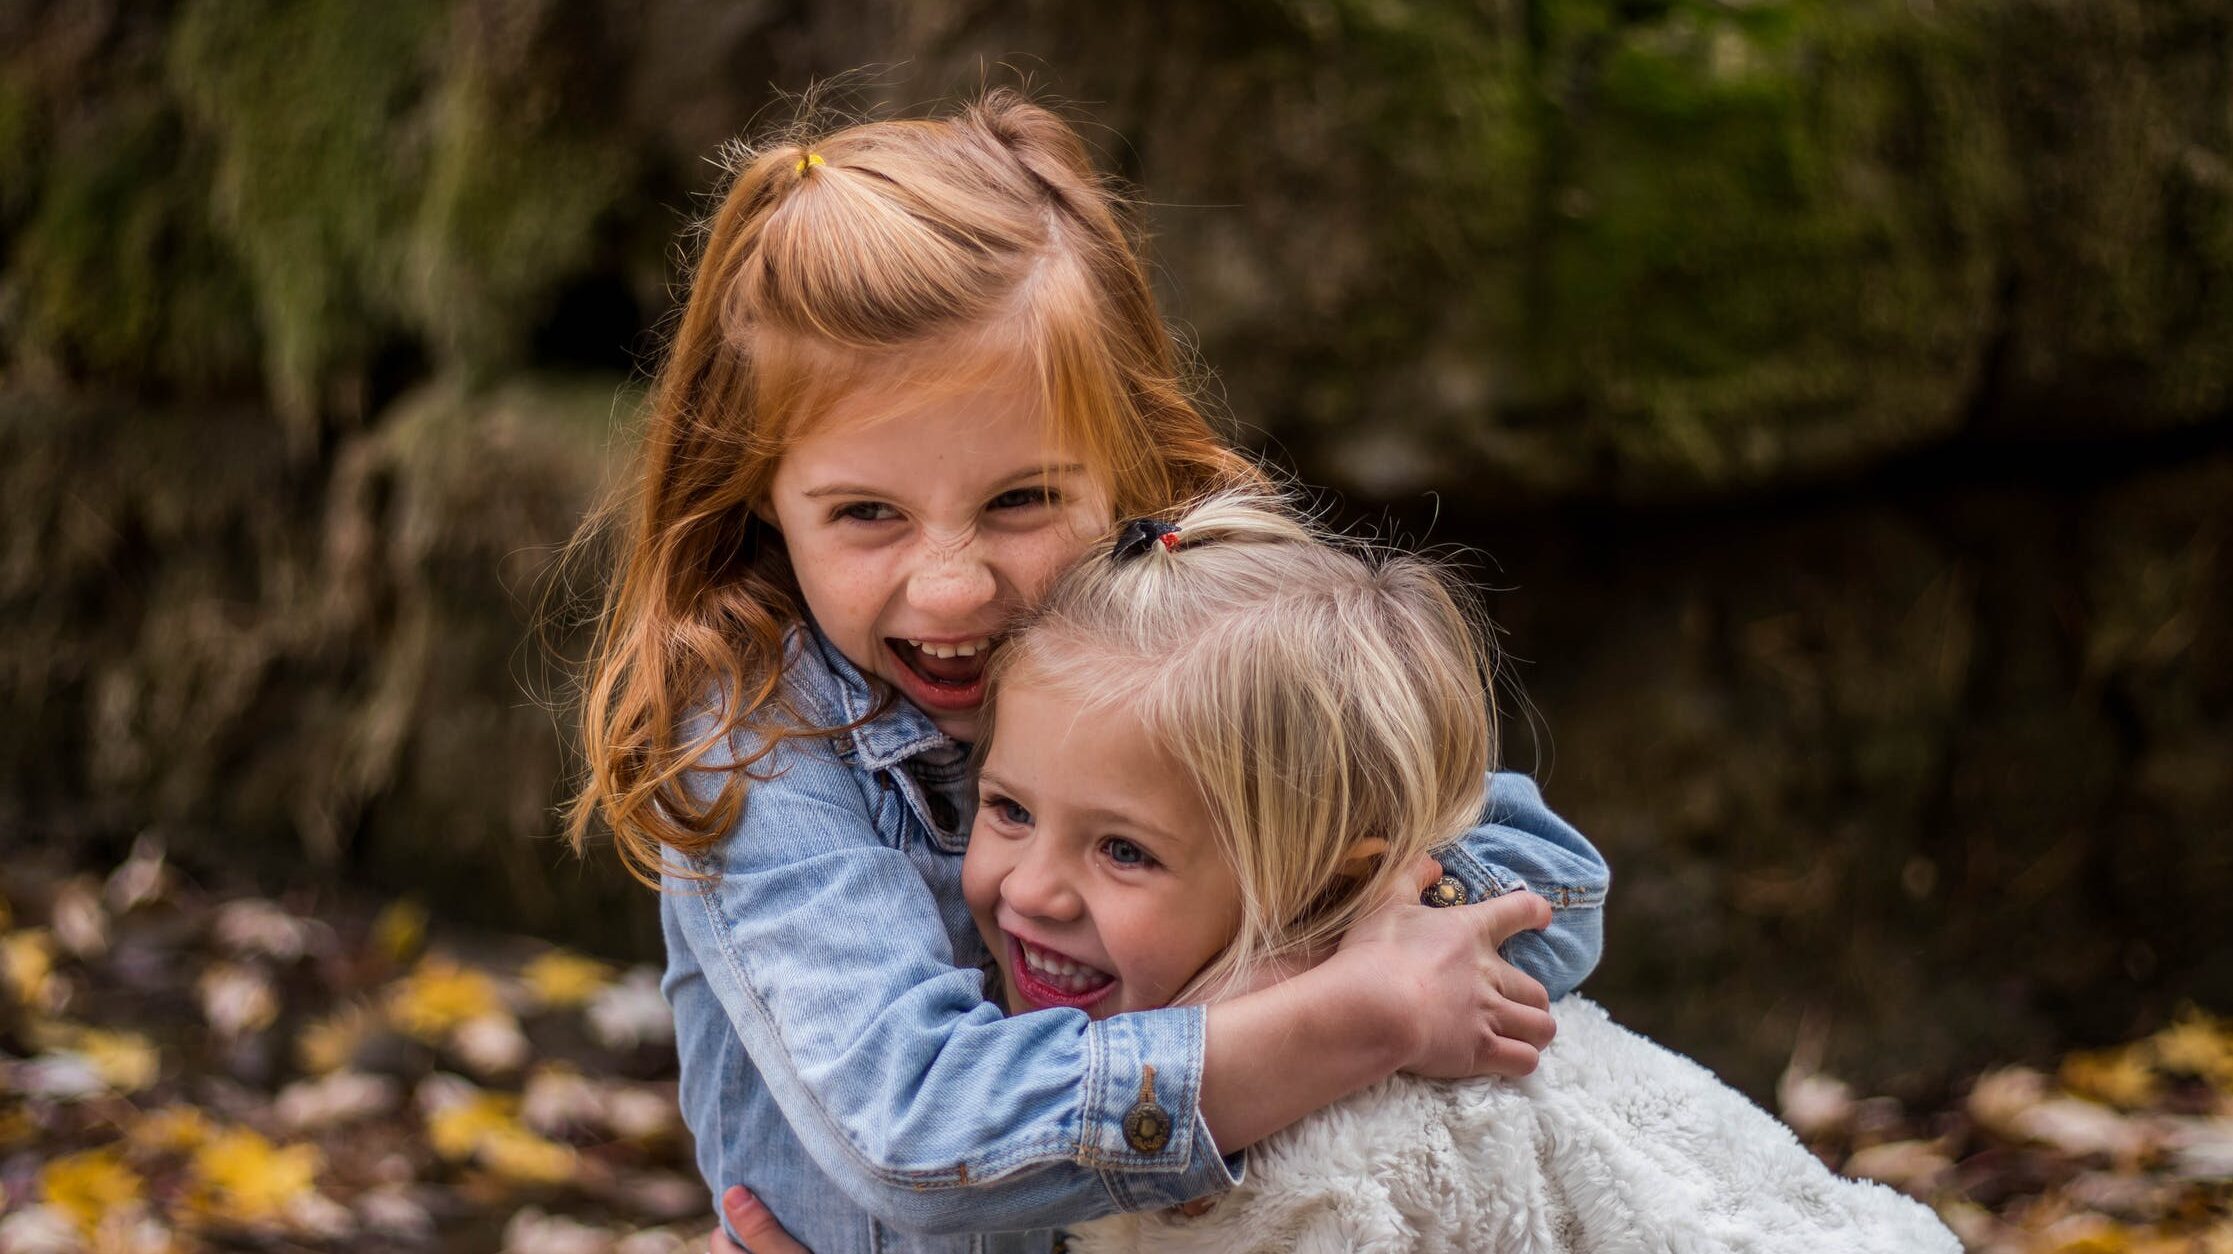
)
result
[(458, 1129), (90, 1185), (2120, 1077), (520, 1155), (171, 1130), (329, 1044), (485, 1127), (439, 996), (27, 963), (400, 931), (2197, 1045), (562, 980), (125, 1061), (243, 1178)]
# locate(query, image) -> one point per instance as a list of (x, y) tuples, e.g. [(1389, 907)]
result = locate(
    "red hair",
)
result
[(902, 235)]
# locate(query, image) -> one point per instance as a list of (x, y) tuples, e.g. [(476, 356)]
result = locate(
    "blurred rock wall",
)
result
[(1841, 387)]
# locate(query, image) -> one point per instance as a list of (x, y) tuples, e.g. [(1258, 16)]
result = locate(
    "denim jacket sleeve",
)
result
[(921, 1101), (1521, 844)]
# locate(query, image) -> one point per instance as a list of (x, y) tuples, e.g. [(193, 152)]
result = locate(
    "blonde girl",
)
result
[(918, 370), (1217, 744)]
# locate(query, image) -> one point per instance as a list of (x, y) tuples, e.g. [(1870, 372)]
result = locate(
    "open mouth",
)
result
[(945, 674), (1047, 978)]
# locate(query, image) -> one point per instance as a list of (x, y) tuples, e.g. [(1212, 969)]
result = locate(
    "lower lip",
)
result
[(1046, 996), (945, 698)]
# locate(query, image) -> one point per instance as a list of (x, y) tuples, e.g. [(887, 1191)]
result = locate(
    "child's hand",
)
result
[(762, 1235), (1437, 973)]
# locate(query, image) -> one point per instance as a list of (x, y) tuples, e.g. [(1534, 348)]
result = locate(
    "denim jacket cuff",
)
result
[(1484, 880), (1144, 1089)]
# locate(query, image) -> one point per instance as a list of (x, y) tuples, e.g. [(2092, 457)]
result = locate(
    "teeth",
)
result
[(1062, 973), (967, 648)]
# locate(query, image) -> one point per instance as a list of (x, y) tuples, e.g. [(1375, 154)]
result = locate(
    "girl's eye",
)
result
[(1024, 498), (1125, 853), (865, 511), (1007, 811)]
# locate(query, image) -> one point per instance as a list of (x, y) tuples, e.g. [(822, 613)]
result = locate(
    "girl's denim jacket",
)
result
[(838, 1055)]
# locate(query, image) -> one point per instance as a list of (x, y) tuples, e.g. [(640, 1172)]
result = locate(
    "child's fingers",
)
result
[(1511, 1059), (1521, 988), (1507, 916), (761, 1233), (1423, 874), (1525, 1025)]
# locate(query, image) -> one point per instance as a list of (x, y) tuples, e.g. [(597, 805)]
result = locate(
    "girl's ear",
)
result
[(766, 514), (1357, 862)]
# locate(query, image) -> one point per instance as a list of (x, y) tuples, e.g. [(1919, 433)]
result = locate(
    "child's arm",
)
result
[(827, 952), (1521, 844)]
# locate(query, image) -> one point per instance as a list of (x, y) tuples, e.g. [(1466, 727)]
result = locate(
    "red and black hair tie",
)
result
[(1140, 534)]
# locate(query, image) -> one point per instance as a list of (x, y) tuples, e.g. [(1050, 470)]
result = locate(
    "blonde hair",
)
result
[(830, 256), (1320, 693)]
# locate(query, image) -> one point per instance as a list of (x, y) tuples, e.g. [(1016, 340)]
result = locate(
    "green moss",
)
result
[(310, 105), (1775, 239), (385, 172), (120, 274), (514, 193), (19, 127)]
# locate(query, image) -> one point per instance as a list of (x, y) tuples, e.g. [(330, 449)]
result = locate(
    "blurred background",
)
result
[(1839, 397)]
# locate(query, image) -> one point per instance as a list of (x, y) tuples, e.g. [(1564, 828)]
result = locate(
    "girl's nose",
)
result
[(953, 584), (1036, 886)]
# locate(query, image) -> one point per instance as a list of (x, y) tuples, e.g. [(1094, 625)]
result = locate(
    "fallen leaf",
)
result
[(491, 1044), (241, 1177), (126, 1061), (530, 1231), (631, 1012), (330, 1043), (252, 925), (78, 920), (1911, 1166), (336, 1098), (140, 878), (237, 999), (86, 1186), (439, 996), (27, 963), (2120, 1077), (563, 980), (400, 931), (171, 1130), (40, 1230), (558, 1099), (392, 1211), (1813, 1104), (2197, 1045)]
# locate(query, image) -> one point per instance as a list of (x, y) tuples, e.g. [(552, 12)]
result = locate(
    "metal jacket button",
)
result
[(1447, 891), (1147, 1127)]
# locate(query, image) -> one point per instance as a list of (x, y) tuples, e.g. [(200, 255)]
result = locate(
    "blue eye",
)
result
[(1007, 811), (865, 511), (1125, 853)]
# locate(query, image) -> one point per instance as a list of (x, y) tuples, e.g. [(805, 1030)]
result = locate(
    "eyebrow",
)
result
[(1042, 472), (997, 784)]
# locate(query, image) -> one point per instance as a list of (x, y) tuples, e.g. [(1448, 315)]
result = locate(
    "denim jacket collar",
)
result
[(898, 733)]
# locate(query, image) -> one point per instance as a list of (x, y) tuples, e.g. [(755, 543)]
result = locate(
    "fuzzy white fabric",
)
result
[(1614, 1145)]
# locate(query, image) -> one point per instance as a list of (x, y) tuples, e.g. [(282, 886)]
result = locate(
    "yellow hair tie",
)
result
[(812, 158)]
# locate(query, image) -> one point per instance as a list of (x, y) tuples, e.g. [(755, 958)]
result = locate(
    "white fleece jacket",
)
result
[(1615, 1144)]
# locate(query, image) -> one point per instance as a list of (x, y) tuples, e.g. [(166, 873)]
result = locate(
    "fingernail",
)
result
[(739, 1198)]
